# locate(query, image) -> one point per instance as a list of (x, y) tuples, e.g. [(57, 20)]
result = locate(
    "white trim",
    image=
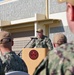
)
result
[(61, 16), (6, 1), (37, 17), (23, 20)]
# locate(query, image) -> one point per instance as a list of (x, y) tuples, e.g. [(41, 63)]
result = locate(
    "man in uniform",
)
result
[(42, 41), (59, 39), (61, 59), (10, 61)]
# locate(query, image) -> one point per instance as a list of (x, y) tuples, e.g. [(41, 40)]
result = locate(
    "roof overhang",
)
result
[(30, 23), (27, 23)]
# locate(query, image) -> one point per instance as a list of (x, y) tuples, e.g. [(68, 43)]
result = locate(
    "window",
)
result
[(6, 1)]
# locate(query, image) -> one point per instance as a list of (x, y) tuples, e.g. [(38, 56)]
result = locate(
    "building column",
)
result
[(35, 27), (47, 30)]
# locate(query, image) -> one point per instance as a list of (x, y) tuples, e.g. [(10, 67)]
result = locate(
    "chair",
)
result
[(16, 73)]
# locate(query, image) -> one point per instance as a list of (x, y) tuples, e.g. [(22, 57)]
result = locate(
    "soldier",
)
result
[(61, 59), (42, 41), (10, 61), (59, 39)]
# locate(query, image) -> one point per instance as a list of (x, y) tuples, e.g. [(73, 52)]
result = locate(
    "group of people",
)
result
[(60, 57), (9, 61), (43, 41)]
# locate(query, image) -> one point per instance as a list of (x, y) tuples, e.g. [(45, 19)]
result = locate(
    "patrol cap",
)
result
[(40, 30), (5, 37), (70, 1), (59, 38)]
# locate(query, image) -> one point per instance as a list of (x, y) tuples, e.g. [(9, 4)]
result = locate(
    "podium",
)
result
[(33, 57)]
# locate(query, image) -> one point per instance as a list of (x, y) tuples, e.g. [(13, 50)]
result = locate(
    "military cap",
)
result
[(59, 37), (70, 1), (5, 36), (40, 30)]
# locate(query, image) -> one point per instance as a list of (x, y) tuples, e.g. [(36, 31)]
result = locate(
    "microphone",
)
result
[(34, 38)]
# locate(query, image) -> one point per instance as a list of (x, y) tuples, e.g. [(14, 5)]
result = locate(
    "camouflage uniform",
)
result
[(12, 62), (58, 39), (1, 68), (61, 61), (43, 42)]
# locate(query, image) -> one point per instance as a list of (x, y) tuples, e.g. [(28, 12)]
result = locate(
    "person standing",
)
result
[(10, 61), (42, 41)]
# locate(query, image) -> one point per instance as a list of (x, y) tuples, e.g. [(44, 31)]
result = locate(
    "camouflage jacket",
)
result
[(44, 42), (61, 61), (12, 62), (1, 68)]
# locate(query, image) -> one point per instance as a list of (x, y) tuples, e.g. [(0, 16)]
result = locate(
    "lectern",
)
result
[(33, 57)]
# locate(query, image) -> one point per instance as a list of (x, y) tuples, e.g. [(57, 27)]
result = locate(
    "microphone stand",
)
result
[(24, 47)]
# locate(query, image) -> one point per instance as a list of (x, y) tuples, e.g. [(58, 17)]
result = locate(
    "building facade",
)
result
[(23, 17), (57, 10)]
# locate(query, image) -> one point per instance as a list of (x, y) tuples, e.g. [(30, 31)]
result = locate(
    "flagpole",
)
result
[(47, 12)]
